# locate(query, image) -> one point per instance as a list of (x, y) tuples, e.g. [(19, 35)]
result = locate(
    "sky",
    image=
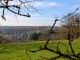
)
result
[(49, 10)]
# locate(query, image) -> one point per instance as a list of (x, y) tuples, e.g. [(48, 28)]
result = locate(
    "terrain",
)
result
[(20, 51)]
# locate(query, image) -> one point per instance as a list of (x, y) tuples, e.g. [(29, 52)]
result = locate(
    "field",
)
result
[(17, 51)]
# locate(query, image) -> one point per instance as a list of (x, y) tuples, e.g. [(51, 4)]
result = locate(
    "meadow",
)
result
[(19, 51)]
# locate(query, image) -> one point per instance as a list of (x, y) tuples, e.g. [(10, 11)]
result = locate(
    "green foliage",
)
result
[(35, 36)]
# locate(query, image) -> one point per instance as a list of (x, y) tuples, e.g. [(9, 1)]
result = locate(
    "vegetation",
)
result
[(4, 40), (71, 25), (58, 48), (42, 37), (35, 36), (19, 51), (71, 54)]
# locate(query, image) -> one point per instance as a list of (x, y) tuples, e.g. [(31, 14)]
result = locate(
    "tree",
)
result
[(42, 37), (71, 54), (62, 34), (4, 40), (35, 36), (71, 26), (17, 8)]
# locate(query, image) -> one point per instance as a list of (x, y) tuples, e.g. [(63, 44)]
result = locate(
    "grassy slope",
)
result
[(17, 51)]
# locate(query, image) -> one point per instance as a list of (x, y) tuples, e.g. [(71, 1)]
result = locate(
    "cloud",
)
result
[(47, 4), (52, 4), (35, 3), (76, 6), (44, 4)]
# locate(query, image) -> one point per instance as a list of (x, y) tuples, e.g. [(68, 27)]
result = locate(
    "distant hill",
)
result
[(25, 29)]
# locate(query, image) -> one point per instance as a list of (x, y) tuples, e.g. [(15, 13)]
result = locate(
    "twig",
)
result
[(6, 5), (55, 23), (73, 56)]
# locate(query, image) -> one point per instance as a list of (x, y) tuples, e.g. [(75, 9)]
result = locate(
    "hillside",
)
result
[(19, 51)]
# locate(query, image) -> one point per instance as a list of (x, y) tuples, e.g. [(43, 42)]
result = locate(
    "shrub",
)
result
[(35, 36)]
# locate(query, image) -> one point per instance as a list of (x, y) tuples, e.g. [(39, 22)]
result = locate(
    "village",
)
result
[(22, 33)]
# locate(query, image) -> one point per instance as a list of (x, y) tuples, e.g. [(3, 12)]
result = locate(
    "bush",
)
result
[(43, 37), (4, 40), (35, 36)]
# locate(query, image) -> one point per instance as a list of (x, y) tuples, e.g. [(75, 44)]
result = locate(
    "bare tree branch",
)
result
[(71, 56), (17, 8)]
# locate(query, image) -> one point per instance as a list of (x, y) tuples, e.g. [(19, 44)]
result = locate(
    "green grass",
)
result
[(17, 51)]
